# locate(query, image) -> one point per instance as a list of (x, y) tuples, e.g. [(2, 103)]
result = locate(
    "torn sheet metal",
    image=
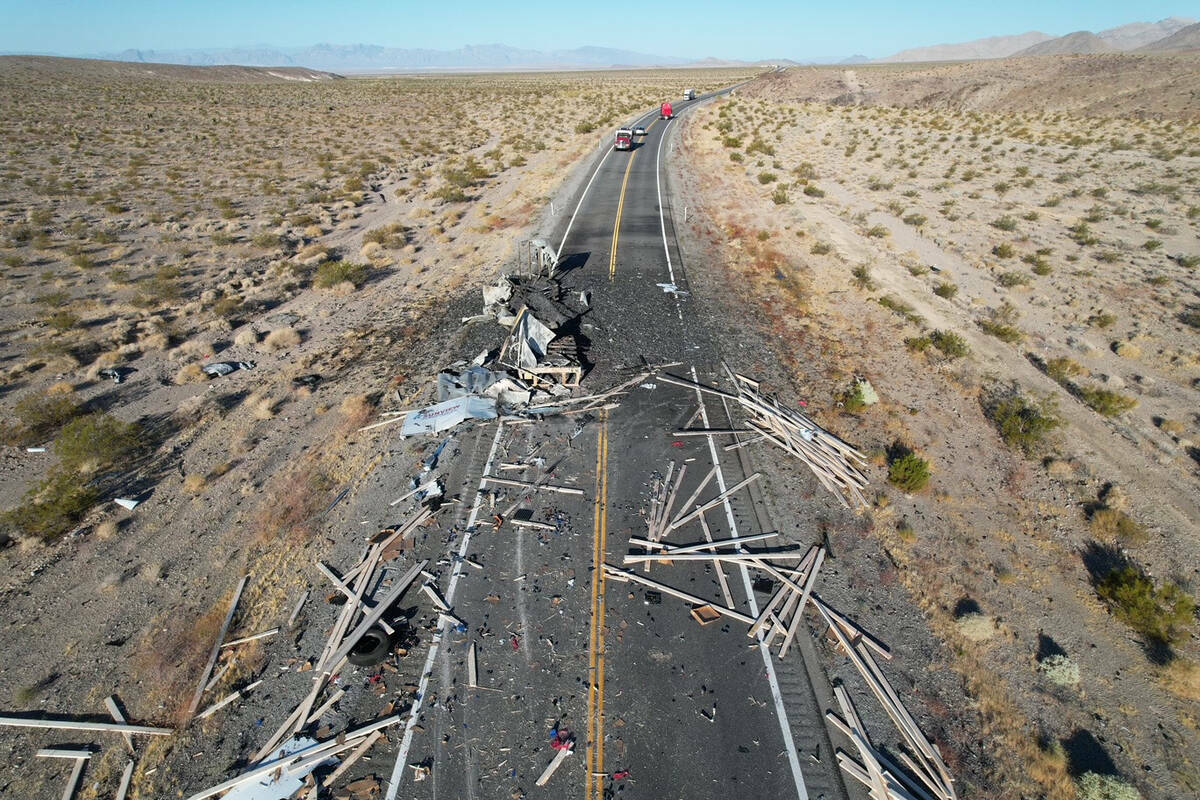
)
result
[(533, 337), (671, 288), (221, 368), (287, 784), (473, 380), (446, 415)]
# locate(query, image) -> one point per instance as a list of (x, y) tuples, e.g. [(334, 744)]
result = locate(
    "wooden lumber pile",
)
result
[(836, 464), (924, 775)]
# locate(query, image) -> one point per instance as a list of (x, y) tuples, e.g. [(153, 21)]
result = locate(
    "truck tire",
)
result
[(371, 649)]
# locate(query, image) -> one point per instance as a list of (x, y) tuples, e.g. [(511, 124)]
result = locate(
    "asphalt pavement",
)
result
[(658, 705)]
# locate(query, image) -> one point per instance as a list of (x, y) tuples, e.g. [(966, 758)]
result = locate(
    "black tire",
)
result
[(371, 649)]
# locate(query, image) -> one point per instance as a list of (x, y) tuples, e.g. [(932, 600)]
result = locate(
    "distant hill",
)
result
[(855, 59), (1135, 35), (1139, 34), (1078, 42), (1184, 39), (991, 47), (15, 67), (375, 58)]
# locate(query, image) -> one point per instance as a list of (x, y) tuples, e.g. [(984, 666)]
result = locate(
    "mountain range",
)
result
[(1141, 36), (376, 58)]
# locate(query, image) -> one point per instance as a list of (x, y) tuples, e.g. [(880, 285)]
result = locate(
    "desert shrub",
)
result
[(916, 220), (855, 399), (585, 127), (53, 507), (736, 157), (1003, 250), (917, 344), (43, 413), (451, 194), (1161, 614), (909, 473), (877, 231), (1023, 423), (1187, 262), (945, 289), (1109, 524), (96, 441), (895, 304), (281, 339), (950, 343), (1150, 245), (1182, 678), (975, 627), (820, 248), (1005, 223), (1063, 368), (1191, 318), (1102, 319), (999, 323), (861, 277), (780, 195), (731, 141), (266, 240), (1105, 401), (1094, 786), (813, 191), (1059, 670), (766, 177), (1010, 279), (331, 273)]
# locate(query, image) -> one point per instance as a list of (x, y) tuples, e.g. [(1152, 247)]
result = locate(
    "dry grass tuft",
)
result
[(247, 337), (194, 483), (281, 339), (106, 530), (190, 374), (357, 409), (1182, 678), (262, 406)]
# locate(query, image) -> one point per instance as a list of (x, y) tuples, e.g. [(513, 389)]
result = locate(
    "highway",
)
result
[(658, 705)]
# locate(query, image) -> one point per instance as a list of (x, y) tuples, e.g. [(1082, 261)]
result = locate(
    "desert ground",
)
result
[(1006, 251), (157, 219)]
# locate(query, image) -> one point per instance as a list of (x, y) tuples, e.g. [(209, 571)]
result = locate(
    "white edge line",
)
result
[(426, 671), (789, 744), (579, 205)]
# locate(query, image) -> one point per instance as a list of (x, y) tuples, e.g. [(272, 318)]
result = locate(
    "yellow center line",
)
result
[(612, 263), (595, 740)]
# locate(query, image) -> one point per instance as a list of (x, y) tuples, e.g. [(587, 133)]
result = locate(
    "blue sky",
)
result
[(744, 29)]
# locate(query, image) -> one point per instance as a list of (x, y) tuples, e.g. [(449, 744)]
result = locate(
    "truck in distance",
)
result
[(667, 113), (624, 139), (689, 94)]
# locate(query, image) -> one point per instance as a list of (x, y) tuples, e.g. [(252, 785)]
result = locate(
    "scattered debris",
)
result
[(446, 415), (220, 369), (127, 503), (837, 465), (307, 381)]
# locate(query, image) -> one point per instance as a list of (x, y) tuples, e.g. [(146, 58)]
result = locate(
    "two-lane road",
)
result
[(660, 706)]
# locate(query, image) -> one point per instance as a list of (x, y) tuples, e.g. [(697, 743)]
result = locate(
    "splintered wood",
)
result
[(836, 464), (778, 623)]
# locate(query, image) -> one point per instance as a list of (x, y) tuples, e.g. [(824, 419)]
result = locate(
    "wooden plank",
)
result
[(328, 704), (910, 783), (628, 575), (710, 431), (435, 596), (809, 583), (712, 473), (528, 523), (851, 628), (696, 547), (227, 700), (533, 485), (319, 750), (216, 649), (296, 611), (713, 502), (126, 779), (60, 752), (345, 590), (114, 711), (73, 781), (641, 558), (349, 760), (663, 376), (400, 587), (472, 667), (79, 725), (553, 766), (253, 638)]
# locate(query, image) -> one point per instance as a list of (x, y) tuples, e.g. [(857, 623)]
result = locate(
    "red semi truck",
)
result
[(666, 111), (624, 139)]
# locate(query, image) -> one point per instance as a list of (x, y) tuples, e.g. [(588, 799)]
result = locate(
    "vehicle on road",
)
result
[(639, 131), (689, 94), (624, 139), (666, 112)]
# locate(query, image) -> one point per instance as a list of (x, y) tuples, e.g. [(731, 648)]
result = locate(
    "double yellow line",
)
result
[(594, 782), (612, 260)]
